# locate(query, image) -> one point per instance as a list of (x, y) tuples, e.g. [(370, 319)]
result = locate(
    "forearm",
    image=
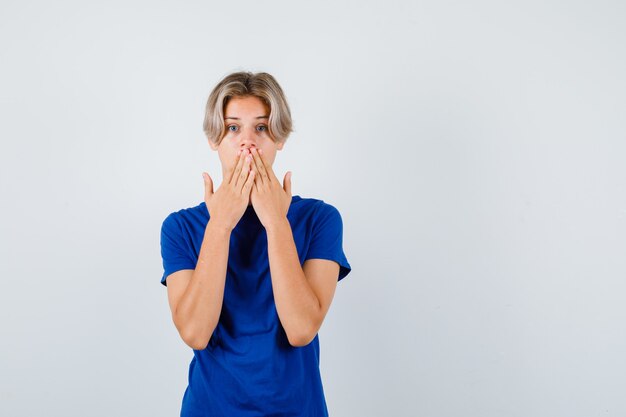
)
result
[(296, 304), (199, 308)]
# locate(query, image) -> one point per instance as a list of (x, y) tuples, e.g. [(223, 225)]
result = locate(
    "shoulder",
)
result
[(313, 208), (197, 214)]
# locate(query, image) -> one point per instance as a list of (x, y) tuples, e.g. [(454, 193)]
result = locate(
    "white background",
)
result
[(476, 151)]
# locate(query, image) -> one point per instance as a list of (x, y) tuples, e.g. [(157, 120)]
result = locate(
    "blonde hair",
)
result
[(242, 84)]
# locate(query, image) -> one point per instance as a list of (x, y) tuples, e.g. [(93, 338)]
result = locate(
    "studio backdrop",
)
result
[(475, 151)]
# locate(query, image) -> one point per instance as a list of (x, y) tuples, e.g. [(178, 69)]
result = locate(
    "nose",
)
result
[(247, 140)]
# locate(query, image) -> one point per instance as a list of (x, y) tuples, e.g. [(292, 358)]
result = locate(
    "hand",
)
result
[(227, 205), (270, 200)]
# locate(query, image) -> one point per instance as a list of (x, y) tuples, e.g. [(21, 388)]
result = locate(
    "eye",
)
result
[(232, 128), (262, 128)]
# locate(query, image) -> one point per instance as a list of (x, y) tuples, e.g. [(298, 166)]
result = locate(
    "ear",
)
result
[(213, 145), (279, 146)]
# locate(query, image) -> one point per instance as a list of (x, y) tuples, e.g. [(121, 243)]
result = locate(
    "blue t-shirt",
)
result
[(249, 368)]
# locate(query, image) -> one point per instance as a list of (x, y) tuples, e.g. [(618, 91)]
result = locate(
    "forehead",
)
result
[(248, 106)]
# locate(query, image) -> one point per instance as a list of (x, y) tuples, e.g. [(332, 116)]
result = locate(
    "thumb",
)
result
[(208, 186), (287, 183)]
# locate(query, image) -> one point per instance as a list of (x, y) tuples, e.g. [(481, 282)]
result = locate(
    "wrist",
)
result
[(218, 227), (278, 225)]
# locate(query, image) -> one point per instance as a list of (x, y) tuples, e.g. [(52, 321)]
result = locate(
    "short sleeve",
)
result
[(327, 238), (175, 255)]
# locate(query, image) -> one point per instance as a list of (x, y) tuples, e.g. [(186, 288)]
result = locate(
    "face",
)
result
[(246, 120)]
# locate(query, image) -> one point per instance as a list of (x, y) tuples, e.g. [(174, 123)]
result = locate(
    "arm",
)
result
[(196, 296), (302, 294)]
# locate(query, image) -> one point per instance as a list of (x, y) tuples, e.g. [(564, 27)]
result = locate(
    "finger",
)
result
[(258, 182), (261, 168), (256, 165), (208, 186), (287, 183), (247, 187), (235, 173), (268, 167), (243, 176)]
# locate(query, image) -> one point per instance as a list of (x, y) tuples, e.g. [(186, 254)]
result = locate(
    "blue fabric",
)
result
[(249, 368)]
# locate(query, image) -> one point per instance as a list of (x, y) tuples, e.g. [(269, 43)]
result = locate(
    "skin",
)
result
[(246, 120), (303, 294)]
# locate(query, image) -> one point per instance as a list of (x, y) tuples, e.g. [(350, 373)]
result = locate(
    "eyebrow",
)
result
[(258, 117)]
